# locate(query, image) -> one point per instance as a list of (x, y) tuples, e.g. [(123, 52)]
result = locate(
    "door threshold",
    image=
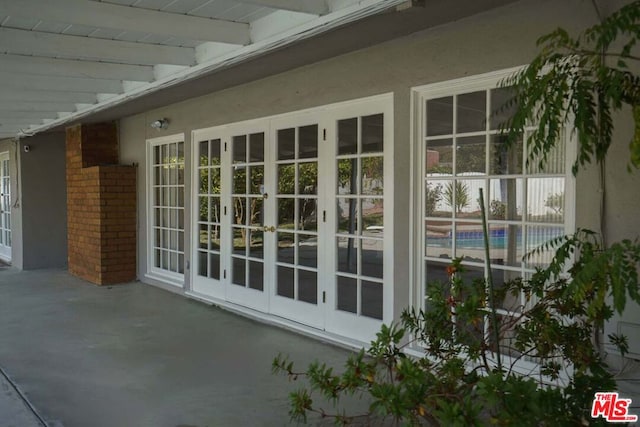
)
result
[(290, 325)]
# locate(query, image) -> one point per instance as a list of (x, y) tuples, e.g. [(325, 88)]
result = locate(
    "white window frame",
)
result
[(165, 276), (419, 97)]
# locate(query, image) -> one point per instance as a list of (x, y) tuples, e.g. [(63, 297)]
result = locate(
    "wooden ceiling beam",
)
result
[(128, 18), (314, 7), (35, 43), (75, 68)]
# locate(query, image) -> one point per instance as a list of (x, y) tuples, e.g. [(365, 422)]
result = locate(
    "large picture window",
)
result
[(165, 161), (461, 152)]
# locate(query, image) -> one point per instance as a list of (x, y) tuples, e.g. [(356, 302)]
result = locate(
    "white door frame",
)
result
[(5, 207), (246, 296), (342, 322), (325, 314), (292, 308), (174, 278), (223, 289), (202, 286)]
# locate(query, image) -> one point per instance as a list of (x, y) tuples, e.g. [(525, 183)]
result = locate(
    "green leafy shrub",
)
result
[(461, 378)]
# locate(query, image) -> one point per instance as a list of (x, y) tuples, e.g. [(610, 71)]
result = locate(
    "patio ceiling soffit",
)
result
[(63, 60)]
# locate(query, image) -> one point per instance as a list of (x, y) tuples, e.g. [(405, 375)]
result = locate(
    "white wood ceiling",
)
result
[(62, 60)]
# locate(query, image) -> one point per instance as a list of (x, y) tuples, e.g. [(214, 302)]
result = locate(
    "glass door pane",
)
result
[(297, 218), (209, 209), (294, 217), (247, 210), (359, 232)]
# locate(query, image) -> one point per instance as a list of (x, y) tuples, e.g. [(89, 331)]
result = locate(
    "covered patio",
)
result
[(135, 355), (274, 158)]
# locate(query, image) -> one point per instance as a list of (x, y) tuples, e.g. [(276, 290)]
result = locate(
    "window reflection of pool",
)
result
[(498, 237)]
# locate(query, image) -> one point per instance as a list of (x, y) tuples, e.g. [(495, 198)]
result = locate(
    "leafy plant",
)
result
[(498, 209), (456, 195), (596, 274), (582, 79), (458, 380), (433, 195)]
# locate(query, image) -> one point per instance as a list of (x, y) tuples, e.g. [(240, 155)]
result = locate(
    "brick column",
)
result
[(101, 206)]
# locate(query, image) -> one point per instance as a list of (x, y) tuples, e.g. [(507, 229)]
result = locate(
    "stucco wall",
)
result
[(622, 220), (494, 40), (44, 199)]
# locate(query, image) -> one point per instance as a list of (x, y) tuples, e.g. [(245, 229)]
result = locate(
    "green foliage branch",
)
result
[(582, 80), (457, 381), (456, 195)]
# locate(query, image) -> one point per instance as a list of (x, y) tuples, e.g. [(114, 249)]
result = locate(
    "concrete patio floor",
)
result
[(135, 355)]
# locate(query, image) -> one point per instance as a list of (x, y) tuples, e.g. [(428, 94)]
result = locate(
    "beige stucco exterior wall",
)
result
[(38, 197), (494, 40), (622, 221), (43, 201)]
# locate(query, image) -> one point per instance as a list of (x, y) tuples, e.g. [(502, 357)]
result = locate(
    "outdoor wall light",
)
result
[(160, 124)]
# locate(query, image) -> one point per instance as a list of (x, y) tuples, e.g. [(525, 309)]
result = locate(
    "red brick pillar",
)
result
[(101, 206)]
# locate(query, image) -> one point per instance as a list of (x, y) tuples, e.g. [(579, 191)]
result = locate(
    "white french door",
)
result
[(228, 237), (360, 290), (207, 208), (243, 225), (5, 208), (292, 216), (165, 207), (299, 238)]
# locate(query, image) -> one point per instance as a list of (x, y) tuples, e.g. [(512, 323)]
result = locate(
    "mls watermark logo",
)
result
[(612, 408)]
